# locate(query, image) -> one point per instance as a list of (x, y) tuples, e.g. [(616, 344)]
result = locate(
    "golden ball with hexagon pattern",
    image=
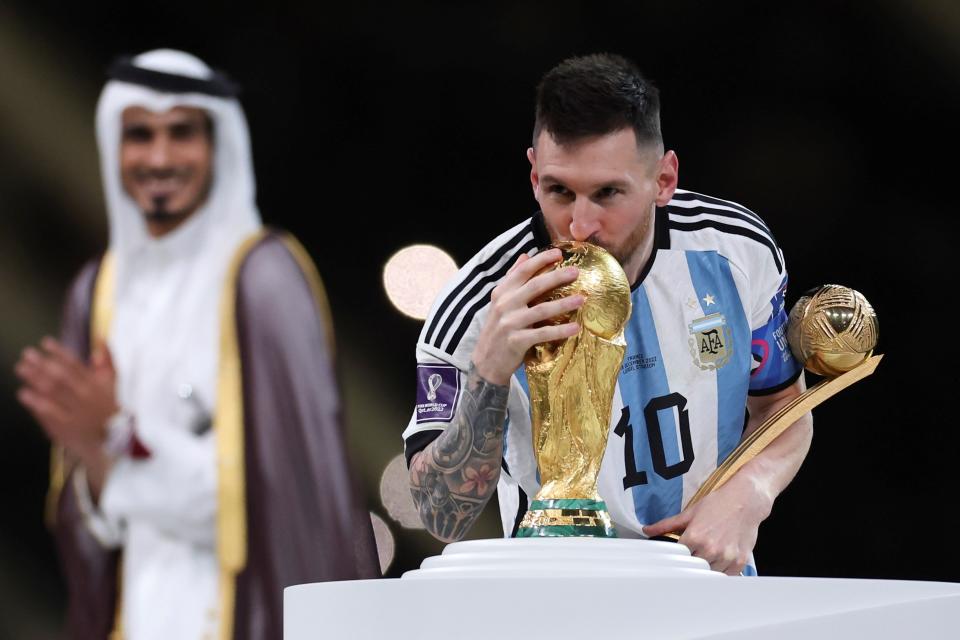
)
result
[(832, 329)]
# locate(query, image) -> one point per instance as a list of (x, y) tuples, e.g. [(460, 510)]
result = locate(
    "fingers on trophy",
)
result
[(833, 331)]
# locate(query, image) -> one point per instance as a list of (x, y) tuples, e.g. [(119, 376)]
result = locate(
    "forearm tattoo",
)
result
[(453, 478)]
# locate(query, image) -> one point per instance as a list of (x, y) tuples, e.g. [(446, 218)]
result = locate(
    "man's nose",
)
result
[(585, 219), (158, 156)]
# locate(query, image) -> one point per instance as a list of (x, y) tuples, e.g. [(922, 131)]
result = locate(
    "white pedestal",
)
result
[(561, 588)]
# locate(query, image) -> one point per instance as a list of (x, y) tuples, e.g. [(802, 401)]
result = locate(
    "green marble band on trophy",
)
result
[(567, 518), (571, 392)]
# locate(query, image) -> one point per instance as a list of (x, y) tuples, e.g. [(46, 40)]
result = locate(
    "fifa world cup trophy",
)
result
[(571, 384)]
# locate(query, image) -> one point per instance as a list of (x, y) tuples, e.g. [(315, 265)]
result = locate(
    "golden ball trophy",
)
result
[(571, 385), (832, 330)]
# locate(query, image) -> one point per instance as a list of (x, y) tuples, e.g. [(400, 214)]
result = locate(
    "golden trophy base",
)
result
[(567, 518)]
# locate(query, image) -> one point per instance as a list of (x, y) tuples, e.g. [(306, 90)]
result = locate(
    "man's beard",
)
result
[(161, 213), (629, 248)]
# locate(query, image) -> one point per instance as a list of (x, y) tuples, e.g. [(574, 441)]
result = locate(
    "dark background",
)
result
[(379, 126)]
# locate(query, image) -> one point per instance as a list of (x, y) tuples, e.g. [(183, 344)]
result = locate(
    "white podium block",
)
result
[(560, 588)]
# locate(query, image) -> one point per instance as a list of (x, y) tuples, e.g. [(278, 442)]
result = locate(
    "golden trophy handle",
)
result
[(776, 424)]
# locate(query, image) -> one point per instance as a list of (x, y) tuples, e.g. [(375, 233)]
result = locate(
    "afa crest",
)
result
[(710, 342)]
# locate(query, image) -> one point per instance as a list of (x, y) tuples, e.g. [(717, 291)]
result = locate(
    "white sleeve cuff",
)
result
[(119, 434), (108, 534)]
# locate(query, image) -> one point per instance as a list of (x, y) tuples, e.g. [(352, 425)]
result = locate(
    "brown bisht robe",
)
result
[(304, 517)]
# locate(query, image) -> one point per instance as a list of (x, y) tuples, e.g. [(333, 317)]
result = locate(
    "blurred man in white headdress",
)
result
[(191, 399)]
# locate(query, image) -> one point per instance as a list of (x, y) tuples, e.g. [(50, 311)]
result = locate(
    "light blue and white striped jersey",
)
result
[(708, 328)]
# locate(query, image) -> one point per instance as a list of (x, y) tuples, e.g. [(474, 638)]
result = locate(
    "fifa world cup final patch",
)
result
[(438, 389)]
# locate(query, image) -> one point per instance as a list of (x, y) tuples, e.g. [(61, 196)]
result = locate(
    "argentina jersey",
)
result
[(707, 329)]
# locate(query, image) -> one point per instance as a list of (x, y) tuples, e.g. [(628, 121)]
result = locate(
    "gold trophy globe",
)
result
[(571, 383), (832, 330)]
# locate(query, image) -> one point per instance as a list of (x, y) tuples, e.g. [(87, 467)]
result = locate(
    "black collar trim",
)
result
[(540, 234), (661, 240)]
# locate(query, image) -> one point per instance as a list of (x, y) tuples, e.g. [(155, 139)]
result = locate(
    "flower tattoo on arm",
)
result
[(452, 479)]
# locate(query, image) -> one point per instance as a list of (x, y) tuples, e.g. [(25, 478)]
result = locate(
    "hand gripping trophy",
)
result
[(571, 384)]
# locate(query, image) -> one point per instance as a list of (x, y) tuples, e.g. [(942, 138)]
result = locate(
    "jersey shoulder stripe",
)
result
[(494, 252), (692, 204), (692, 212), (684, 195), (471, 292), (483, 300), (733, 230), (478, 297)]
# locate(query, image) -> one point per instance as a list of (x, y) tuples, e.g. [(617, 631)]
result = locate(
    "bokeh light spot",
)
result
[(395, 494), (386, 547), (415, 275)]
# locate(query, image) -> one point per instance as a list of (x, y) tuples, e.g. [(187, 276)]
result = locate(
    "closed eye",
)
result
[(137, 133), (606, 193), (185, 130)]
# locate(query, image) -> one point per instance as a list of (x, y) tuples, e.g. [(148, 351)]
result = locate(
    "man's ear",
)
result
[(668, 174), (534, 176)]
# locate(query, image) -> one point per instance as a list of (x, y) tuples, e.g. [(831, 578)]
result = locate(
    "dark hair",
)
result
[(595, 95)]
